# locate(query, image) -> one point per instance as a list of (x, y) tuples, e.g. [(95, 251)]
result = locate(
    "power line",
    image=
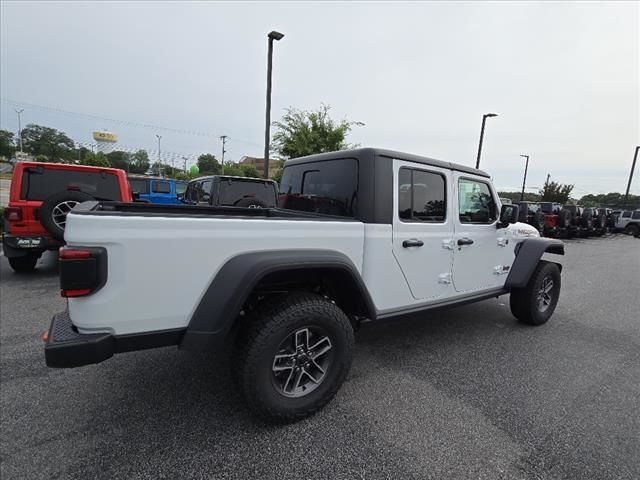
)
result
[(124, 122)]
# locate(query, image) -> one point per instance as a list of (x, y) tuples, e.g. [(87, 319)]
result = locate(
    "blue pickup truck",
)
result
[(166, 191)]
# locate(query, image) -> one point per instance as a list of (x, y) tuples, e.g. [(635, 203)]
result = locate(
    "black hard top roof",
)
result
[(390, 154)]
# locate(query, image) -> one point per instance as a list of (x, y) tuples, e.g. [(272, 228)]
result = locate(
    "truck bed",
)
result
[(138, 209)]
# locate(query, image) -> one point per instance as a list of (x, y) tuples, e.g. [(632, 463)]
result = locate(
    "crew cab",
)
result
[(40, 197), (166, 191), (230, 191), (367, 235)]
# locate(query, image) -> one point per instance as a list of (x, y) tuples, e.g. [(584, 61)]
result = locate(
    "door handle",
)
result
[(413, 242), (465, 241)]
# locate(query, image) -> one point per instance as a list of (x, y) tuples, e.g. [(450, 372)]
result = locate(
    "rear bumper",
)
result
[(67, 348), (21, 245)]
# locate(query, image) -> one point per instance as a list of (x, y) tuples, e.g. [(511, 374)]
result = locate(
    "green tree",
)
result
[(555, 192), (249, 170), (120, 159), (612, 200), (140, 162), (55, 145), (303, 132), (277, 176), (7, 146), (233, 169), (208, 164), (515, 196), (96, 159)]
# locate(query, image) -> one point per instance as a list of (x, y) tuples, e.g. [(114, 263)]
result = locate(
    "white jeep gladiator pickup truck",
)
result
[(359, 235)]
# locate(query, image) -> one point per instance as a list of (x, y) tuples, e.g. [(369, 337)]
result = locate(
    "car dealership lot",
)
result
[(466, 393)]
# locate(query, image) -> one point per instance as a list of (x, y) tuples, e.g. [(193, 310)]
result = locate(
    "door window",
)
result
[(635, 216), (204, 191), (626, 214), (139, 185), (421, 196), (475, 202)]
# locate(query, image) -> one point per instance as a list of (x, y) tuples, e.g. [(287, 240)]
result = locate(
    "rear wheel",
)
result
[(293, 357), (24, 264), (632, 230), (535, 303)]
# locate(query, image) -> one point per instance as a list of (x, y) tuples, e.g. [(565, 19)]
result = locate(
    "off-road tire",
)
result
[(538, 221), (250, 202), (50, 203), (524, 301), (259, 341), (632, 230), (23, 264)]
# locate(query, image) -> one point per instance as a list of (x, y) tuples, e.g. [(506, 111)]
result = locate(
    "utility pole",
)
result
[(633, 167), (267, 127), (524, 181), (224, 141), (159, 164), (19, 112), (185, 164)]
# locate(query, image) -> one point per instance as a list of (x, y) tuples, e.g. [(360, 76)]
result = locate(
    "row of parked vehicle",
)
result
[(566, 221)]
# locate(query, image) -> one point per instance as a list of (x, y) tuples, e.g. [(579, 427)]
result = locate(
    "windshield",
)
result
[(329, 187), (40, 183)]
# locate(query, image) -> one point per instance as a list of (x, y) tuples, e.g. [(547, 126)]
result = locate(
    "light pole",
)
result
[(19, 112), (633, 166), (159, 164), (524, 180), (224, 140), (484, 119), (267, 127)]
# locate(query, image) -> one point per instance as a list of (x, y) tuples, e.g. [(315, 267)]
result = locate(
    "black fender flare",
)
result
[(528, 254), (230, 288)]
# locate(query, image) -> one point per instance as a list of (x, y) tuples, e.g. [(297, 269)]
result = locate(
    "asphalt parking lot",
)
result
[(466, 393)]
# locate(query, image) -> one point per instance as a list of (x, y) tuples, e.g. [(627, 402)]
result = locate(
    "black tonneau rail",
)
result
[(139, 209)]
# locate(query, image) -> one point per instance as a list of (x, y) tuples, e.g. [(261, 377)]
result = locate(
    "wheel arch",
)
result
[(528, 254), (244, 275)]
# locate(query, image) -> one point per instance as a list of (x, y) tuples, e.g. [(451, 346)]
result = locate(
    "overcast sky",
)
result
[(563, 77)]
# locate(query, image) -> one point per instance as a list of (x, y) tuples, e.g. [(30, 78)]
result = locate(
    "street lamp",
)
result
[(524, 181), (484, 119), (633, 166), (159, 164), (19, 126), (267, 127)]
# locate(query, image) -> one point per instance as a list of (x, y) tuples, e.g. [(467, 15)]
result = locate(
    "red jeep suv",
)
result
[(41, 195)]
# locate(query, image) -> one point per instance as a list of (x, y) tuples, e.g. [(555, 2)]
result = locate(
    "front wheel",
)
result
[(293, 357), (632, 230), (23, 264), (535, 303)]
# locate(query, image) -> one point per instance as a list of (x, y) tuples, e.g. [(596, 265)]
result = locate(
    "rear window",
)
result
[(161, 186), (139, 185), (40, 183), (329, 187), (234, 190)]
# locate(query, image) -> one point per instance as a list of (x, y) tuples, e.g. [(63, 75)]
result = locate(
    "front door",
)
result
[(423, 228), (482, 256)]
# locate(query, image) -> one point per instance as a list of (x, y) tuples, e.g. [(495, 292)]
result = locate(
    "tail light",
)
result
[(13, 214), (83, 270)]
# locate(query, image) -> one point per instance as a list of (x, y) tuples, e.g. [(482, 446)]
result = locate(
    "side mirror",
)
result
[(508, 215), (180, 196), (135, 195), (205, 198)]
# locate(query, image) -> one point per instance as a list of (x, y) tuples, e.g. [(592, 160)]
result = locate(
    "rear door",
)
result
[(482, 257), (423, 228)]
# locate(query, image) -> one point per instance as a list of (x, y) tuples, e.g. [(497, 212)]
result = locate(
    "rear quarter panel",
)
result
[(159, 267)]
